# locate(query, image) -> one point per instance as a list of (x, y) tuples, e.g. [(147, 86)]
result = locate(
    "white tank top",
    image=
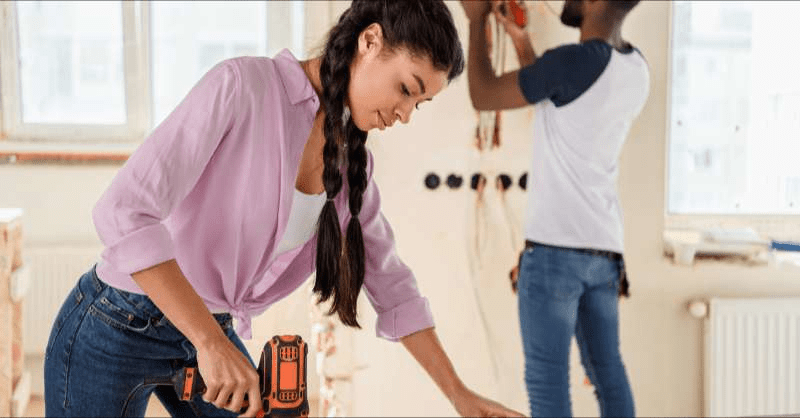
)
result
[(302, 220)]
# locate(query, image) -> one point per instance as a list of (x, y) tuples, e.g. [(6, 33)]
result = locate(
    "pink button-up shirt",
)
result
[(212, 188)]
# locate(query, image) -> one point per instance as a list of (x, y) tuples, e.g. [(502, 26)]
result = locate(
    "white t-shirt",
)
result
[(587, 96)]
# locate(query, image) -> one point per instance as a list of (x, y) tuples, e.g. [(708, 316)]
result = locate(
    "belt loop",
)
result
[(98, 285)]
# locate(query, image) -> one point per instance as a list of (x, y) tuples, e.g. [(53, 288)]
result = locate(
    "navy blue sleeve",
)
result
[(563, 74)]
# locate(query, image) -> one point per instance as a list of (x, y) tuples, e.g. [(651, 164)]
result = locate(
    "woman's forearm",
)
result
[(427, 350), (166, 285)]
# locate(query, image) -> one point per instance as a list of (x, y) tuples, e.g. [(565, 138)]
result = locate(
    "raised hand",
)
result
[(514, 31)]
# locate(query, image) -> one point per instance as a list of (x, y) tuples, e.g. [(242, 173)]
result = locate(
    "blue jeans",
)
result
[(564, 292), (105, 342)]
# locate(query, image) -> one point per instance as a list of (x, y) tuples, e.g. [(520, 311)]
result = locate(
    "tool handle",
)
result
[(188, 382), (520, 17)]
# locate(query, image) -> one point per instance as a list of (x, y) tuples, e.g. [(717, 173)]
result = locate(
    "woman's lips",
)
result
[(381, 122)]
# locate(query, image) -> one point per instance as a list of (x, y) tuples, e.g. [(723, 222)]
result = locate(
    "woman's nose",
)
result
[(403, 113)]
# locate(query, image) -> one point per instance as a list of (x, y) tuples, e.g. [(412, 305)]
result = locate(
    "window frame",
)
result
[(136, 78), (778, 226), (136, 31)]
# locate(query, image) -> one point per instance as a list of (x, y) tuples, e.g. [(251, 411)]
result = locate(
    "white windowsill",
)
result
[(744, 240), (19, 152)]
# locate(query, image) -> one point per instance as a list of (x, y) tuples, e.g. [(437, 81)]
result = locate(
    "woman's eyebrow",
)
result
[(421, 84)]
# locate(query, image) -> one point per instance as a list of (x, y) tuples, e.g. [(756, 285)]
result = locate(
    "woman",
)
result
[(213, 218)]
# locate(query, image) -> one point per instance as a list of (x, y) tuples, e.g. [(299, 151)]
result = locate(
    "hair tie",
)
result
[(345, 115)]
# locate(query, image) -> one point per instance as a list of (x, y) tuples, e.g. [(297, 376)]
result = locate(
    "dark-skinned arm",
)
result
[(487, 91)]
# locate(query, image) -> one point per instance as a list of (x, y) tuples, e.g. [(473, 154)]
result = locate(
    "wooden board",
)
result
[(17, 350), (11, 359), (6, 363)]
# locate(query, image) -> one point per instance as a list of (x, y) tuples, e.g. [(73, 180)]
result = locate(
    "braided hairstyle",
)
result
[(426, 29)]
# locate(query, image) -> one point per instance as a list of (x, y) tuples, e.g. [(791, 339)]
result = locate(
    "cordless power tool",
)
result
[(282, 379)]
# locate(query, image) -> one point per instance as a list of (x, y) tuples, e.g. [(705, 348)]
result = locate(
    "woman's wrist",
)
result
[(454, 389), (205, 340)]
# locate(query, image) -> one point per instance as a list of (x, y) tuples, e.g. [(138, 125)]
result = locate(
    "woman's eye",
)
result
[(405, 91)]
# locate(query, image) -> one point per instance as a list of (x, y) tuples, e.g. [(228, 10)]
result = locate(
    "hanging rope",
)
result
[(488, 136)]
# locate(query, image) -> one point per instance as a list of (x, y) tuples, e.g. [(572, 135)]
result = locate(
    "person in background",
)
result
[(571, 273)]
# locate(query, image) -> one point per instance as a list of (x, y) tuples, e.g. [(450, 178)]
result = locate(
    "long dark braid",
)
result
[(335, 78), (354, 246), (425, 28)]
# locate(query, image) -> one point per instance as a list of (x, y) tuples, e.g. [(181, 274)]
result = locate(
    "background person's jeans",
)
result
[(105, 342), (564, 292)]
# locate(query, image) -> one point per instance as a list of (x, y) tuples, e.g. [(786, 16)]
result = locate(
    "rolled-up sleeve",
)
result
[(389, 284), (161, 173)]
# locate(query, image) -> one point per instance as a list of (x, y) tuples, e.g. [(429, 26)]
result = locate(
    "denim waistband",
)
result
[(624, 284), (142, 303), (605, 253)]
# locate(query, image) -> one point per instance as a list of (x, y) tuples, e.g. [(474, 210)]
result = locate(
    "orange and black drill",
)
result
[(282, 374)]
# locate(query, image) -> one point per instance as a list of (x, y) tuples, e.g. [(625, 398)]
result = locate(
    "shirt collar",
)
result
[(298, 87)]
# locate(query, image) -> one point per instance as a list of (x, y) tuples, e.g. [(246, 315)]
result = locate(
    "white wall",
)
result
[(661, 343)]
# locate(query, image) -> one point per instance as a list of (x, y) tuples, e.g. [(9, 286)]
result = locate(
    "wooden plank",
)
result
[(17, 350), (22, 396), (15, 231), (6, 256), (6, 364), (10, 247)]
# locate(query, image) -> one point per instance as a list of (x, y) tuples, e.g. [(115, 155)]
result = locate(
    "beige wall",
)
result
[(661, 343)]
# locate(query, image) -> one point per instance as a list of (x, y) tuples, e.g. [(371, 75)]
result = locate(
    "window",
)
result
[(71, 72), (111, 71), (734, 141)]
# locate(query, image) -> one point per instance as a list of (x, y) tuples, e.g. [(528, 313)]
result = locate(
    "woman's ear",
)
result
[(371, 39)]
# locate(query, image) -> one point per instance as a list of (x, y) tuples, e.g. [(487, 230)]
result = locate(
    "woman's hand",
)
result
[(228, 376), (227, 373), (470, 404), (424, 345)]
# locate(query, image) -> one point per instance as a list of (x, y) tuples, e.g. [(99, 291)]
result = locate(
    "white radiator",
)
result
[(752, 357), (54, 271)]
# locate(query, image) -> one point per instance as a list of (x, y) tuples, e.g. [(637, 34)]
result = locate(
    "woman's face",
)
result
[(387, 86)]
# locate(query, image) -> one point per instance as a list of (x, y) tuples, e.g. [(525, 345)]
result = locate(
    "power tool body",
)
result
[(282, 379)]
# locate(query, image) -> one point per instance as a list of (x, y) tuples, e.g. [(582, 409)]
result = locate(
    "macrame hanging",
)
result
[(487, 132)]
